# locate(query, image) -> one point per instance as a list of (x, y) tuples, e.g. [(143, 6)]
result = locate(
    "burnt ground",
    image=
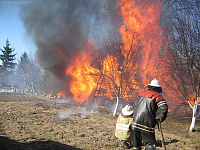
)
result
[(36, 123)]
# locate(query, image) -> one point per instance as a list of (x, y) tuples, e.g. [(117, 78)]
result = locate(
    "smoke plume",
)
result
[(59, 30), (58, 27)]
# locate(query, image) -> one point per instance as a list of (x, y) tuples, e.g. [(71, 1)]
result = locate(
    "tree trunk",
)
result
[(116, 106), (33, 89), (194, 115), (192, 126)]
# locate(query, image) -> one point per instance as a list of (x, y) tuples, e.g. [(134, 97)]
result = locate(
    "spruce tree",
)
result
[(7, 57)]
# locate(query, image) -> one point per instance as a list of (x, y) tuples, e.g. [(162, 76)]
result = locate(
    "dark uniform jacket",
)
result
[(145, 111)]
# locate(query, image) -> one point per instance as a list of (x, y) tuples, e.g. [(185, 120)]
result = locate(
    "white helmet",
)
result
[(127, 110), (155, 83)]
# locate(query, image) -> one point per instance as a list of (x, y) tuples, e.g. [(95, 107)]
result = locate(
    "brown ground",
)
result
[(33, 123)]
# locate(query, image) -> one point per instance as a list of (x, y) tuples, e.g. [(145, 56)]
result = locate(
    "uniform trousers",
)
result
[(148, 139)]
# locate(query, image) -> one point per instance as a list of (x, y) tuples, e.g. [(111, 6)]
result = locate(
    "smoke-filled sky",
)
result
[(25, 23), (61, 27)]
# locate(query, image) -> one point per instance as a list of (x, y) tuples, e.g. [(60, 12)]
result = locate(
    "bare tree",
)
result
[(119, 67), (29, 74), (183, 54)]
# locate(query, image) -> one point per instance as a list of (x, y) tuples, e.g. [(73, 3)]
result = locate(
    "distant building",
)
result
[(7, 90)]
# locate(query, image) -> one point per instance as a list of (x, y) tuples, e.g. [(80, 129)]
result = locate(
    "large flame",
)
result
[(142, 26), (141, 29), (83, 76)]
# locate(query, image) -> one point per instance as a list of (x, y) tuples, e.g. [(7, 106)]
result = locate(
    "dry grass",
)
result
[(28, 122)]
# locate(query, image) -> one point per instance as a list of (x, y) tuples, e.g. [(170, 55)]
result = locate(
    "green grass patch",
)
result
[(194, 141), (197, 129)]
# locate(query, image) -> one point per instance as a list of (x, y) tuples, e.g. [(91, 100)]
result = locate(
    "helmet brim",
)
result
[(154, 85)]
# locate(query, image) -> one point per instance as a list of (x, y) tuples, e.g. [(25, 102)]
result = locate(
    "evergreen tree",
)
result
[(7, 57)]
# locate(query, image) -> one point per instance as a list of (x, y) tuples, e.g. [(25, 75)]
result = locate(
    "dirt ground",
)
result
[(36, 123)]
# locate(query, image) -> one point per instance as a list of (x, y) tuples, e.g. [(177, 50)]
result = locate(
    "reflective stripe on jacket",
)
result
[(124, 128)]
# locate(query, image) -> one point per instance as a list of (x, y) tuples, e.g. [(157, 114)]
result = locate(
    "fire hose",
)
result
[(162, 137)]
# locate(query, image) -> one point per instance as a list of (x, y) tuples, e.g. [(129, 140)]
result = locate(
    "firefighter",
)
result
[(124, 131), (145, 115)]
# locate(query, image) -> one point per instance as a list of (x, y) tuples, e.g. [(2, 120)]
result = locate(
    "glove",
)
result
[(163, 117), (158, 120)]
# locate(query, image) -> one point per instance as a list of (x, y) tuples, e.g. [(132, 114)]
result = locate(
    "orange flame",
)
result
[(83, 76), (141, 22), (61, 94), (141, 29), (44, 110), (100, 106)]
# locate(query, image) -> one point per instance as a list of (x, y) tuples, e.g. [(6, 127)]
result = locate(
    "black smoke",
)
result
[(59, 28), (58, 25)]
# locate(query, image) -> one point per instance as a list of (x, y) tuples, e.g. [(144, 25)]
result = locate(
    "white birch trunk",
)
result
[(194, 115), (192, 126), (116, 106)]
